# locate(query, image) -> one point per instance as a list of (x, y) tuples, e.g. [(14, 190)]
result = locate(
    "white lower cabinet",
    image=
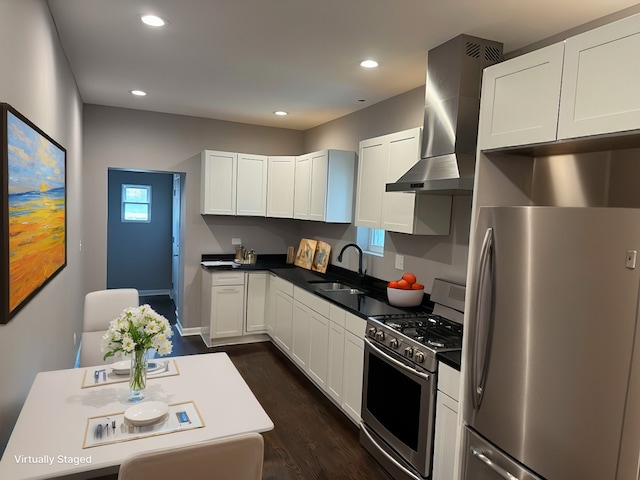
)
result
[(270, 321), (257, 302), (301, 334), (283, 314), (222, 305), (446, 428), (318, 349), (353, 366), (335, 354)]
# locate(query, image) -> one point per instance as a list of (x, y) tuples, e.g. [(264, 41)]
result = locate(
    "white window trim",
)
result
[(123, 203)]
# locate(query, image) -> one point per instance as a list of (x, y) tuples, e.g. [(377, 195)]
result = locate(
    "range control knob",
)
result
[(371, 332), (408, 352), (380, 336), (419, 357), (393, 343)]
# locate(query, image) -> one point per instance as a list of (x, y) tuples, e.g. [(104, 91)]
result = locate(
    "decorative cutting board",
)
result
[(321, 257), (306, 252)]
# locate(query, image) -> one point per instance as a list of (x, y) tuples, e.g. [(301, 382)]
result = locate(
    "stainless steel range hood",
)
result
[(452, 106)]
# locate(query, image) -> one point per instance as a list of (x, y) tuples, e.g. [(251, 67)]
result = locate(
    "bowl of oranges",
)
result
[(405, 292)]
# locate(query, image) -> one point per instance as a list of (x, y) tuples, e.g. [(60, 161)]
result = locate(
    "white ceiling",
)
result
[(240, 60)]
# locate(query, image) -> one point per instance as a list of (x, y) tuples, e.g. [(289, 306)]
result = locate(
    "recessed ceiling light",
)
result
[(281, 113), (139, 93), (153, 20), (369, 64)]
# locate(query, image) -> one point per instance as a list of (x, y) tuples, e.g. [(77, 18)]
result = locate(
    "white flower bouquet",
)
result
[(138, 328)]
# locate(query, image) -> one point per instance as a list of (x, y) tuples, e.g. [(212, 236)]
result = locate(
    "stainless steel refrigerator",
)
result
[(551, 387)]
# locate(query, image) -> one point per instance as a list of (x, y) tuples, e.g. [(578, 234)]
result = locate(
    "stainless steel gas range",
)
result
[(399, 387)]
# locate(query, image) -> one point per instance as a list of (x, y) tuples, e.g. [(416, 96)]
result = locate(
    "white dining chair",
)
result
[(100, 307), (234, 458)]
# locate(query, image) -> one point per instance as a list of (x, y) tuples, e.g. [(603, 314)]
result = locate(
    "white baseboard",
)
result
[(150, 293)]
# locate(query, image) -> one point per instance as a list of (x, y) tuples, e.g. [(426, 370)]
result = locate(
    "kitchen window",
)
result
[(371, 240), (136, 203)]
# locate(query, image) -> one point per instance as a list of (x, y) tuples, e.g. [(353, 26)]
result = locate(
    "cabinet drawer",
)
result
[(337, 315), (283, 286), (227, 278), (355, 324), (449, 381), (312, 301)]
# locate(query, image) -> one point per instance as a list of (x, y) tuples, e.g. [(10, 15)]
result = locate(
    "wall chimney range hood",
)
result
[(452, 107)]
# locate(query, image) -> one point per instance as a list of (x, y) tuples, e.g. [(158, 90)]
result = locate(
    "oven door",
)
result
[(398, 405)]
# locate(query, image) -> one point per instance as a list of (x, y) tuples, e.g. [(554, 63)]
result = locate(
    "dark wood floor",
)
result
[(312, 438)]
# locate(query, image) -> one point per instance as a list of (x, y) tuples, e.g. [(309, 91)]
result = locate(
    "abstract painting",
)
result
[(34, 220)]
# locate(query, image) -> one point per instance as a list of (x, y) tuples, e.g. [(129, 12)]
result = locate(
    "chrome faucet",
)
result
[(360, 271)]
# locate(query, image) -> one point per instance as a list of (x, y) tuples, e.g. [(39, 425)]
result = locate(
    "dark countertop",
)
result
[(372, 302)]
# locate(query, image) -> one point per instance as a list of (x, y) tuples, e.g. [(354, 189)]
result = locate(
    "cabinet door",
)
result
[(335, 374), (446, 436), (218, 183), (271, 306), (372, 171), (301, 335), (601, 78), (251, 191), (284, 321), (398, 207), (256, 302), (319, 349), (227, 311), (318, 186), (353, 372), (280, 187), (520, 98), (302, 187)]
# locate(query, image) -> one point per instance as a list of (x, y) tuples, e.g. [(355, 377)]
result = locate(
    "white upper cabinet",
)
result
[(373, 161), (584, 86), (324, 184), (251, 191), (280, 186), (302, 184), (233, 184), (384, 160), (601, 81), (520, 98), (218, 182)]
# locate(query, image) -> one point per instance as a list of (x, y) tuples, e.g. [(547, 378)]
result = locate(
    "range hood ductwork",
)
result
[(452, 108)]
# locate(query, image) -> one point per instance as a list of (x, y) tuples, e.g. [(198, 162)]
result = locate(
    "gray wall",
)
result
[(139, 254), (133, 139), (37, 81)]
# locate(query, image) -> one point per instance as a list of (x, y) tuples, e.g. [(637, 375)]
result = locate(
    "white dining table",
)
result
[(48, 440)]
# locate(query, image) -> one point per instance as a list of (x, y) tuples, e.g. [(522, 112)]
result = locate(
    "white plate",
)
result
[(124, 367), (146, 413)]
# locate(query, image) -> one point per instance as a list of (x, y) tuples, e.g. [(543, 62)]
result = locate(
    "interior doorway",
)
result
[(144, 233)]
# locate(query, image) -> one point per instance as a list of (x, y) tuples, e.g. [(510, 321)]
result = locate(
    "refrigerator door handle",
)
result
[(482, 333), (496, 468)]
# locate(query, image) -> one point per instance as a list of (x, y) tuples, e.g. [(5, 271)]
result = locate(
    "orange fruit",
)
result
[(393, 284), (409, 277), (404, 285), (417, 286)]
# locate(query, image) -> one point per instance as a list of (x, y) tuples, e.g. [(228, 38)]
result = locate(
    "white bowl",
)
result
[(404, 298)]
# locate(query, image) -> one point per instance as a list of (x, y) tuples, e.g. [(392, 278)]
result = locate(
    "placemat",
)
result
[(116, 428), (106, 376)]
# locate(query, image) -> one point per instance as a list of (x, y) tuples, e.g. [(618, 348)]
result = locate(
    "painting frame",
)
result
[(34, 211)]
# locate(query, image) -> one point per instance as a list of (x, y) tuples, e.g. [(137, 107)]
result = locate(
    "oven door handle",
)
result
[(407, 472), (396, 362)]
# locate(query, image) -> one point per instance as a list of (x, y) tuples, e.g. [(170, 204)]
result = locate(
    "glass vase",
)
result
[(138, 375)]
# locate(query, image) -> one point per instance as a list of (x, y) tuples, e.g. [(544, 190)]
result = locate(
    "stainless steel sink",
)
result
[(336, 287)]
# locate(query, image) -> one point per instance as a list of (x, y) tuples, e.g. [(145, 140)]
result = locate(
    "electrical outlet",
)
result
[(400, 262), (236, 242)]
